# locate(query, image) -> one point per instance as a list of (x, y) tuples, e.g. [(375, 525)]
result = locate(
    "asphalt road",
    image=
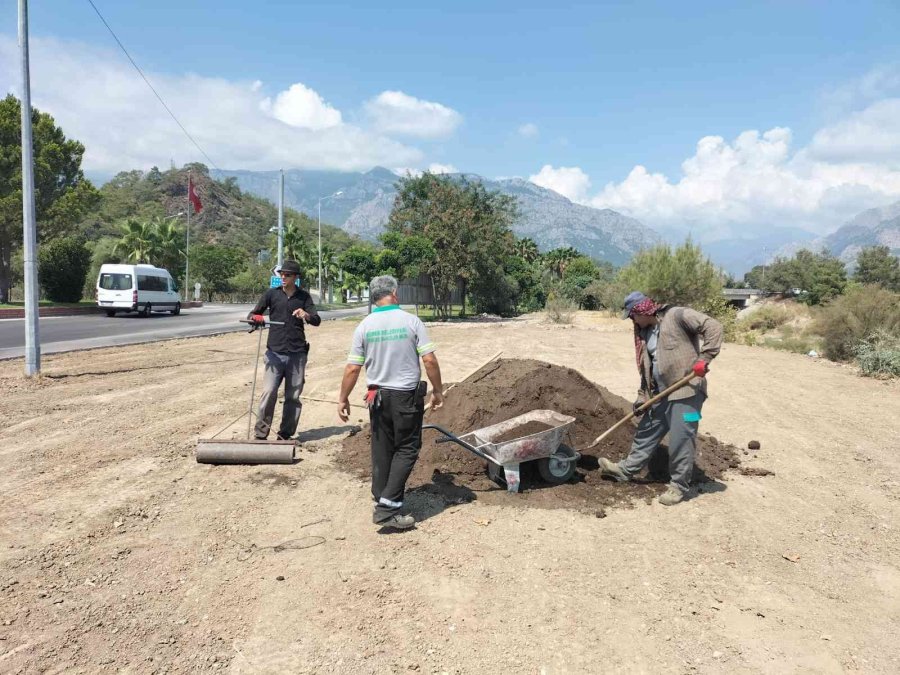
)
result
[(87, 331)]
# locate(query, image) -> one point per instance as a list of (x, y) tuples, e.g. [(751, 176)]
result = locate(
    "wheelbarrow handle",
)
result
[(449, 437)]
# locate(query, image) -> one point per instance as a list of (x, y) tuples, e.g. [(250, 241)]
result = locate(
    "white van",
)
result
[(137, 288)]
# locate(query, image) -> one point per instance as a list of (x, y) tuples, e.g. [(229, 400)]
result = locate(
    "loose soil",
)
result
[(506, 388), (521, 431)]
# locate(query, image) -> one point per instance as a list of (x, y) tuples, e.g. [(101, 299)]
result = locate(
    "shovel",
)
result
[(665, 392)]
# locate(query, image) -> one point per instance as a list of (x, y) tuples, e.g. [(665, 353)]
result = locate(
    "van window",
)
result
[(115, 282), (148, 283)]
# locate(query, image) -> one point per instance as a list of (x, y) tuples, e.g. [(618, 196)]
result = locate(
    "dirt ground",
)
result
[(121, 554)]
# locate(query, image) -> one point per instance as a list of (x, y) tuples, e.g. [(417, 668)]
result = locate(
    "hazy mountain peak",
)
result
[(366, 200)]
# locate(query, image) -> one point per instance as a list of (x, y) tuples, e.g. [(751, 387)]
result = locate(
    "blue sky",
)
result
[(586, 91)]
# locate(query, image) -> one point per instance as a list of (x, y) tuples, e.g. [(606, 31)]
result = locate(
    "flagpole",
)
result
[(187, 242)]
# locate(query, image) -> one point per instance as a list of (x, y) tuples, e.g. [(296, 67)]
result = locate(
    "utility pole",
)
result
[(281, 218), (29, 226), (187, 245)]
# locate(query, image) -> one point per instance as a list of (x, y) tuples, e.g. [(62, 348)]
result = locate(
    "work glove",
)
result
[(637, 404), (258, 319), (700, 368)]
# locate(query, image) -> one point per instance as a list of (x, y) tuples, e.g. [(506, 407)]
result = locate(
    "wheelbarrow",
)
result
[(555, 462)]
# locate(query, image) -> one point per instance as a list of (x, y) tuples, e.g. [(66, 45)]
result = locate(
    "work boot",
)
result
[(671, 496), (613, 470), (398, 521)]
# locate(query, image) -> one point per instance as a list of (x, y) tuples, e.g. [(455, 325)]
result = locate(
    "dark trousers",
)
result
[(290, 369), (396, 441)]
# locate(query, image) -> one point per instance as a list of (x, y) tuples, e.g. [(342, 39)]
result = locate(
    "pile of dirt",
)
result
[(510, 387)]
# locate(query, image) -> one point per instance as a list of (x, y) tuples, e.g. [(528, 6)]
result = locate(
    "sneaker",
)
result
[(398, 522), (671, 496), (613, 470)]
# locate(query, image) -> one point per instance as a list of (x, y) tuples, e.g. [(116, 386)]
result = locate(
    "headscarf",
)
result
[(645, 307)]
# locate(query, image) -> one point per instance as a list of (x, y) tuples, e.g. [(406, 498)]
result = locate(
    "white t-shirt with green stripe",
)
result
[(389, 343)]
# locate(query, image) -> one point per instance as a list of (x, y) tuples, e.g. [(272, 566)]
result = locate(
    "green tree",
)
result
[(876, 265), (558, 259), (213, 266), (681, 276), (527, 249), (137, 242), (63, 264), (62, 193), (297, 247), (818, 277), (359, 261), (469, 230), (167, 249)]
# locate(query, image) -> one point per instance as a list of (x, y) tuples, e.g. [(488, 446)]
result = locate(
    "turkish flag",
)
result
[(192, 195)]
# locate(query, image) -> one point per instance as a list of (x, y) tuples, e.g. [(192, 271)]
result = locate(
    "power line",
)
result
[(156, 93)]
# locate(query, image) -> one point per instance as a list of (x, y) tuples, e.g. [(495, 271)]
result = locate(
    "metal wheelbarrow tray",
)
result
[(556, 463)]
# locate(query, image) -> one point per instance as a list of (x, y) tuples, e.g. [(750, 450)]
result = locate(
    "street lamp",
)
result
[(322, 199)]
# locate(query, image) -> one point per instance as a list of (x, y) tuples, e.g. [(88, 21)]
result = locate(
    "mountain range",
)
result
[(360, 203), (874, 227)]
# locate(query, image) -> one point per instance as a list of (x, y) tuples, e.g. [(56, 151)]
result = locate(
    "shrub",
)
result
[(683, 276), (879, 355), (720, 309), (767, 317), (560, 309), (63, 265), (856, 315)]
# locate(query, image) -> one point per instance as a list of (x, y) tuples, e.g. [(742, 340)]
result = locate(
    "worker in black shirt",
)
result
[(286, 350)]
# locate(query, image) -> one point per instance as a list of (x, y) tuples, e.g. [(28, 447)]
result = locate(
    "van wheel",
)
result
[(177, 310), (146, 311), (110, 312)]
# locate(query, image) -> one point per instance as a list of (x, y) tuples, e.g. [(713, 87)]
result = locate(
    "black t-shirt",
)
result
[(289, 338)]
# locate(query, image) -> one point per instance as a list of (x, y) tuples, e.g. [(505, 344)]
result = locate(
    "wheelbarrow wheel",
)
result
[(558, 467)]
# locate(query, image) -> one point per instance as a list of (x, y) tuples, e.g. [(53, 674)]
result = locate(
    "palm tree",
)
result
[(330, 270), (297, 248), (558, 259), (137, 242), (527, 249), (167, 249)]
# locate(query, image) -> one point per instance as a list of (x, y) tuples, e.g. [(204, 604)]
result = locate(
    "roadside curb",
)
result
[(70, 311)]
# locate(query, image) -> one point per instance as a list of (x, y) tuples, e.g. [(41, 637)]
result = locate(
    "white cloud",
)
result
[(528, 130), (872, 134), (760, 180), (97, 97), (393, 112), (300, 106), (434, 167), (570, 182)]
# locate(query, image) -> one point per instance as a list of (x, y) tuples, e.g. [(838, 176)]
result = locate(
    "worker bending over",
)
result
[(667, 345)]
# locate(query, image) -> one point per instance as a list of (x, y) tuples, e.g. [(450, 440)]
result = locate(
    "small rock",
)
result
[(118, 523), (753, 445), (827, 638), (279, 578), (600, 514), (717, 655)]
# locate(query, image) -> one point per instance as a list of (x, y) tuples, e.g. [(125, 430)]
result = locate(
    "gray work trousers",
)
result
[(291, 369), (680, 420)]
